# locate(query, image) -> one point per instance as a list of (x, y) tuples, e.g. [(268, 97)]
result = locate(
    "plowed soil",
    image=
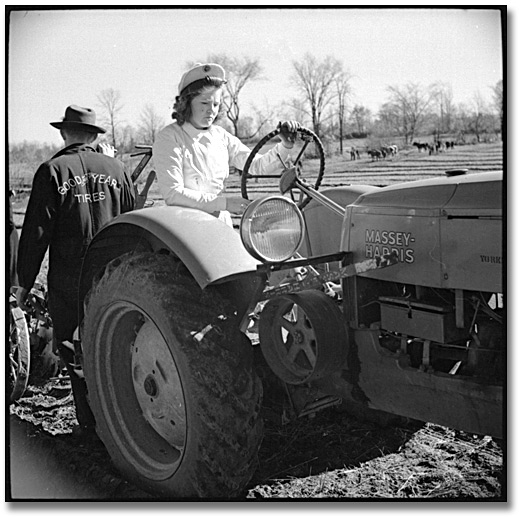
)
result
[(333, 455)]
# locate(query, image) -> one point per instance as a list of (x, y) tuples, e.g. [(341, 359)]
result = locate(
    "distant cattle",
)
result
[(375, 154), (390, 150), (421, 146)]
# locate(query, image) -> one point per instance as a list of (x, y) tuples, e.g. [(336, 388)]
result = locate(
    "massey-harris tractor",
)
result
[(387, 299)]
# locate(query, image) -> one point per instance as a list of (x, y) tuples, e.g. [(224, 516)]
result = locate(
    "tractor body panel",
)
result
[(317, 241), (447, 233), (386, 381)]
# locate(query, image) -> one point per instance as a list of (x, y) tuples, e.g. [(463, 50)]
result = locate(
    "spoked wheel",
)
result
[(19, 353), (308, 171), (170, 380), (302, 336)]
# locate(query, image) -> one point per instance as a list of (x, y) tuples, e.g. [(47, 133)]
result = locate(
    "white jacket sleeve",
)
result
[(267, 163), (168, 162)]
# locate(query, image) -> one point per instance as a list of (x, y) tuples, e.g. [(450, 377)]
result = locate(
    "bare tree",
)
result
[(110, 102), (316, 81), (390, 120), (150, 123), (479, 120), (443, 107), (361, 118), (343, 90), (498, 101), (260, 119), (297, 109), (408, 105), (239, 72), (127, 138)]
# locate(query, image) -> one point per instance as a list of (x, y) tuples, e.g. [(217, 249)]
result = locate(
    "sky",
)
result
[(59, 57)]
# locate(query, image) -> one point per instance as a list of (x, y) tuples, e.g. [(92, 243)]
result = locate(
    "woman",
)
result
[(192, 156)]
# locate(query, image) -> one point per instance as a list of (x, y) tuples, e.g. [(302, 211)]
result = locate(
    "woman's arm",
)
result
[(267, 163), (272, 161)]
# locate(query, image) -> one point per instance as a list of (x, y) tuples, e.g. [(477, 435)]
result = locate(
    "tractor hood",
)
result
[(482, 191), (447, 232)]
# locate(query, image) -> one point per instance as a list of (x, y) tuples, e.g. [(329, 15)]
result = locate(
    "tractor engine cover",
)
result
[(303, 336), (447, 233)]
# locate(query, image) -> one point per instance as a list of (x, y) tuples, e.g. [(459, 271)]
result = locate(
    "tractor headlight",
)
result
[(272, 229)]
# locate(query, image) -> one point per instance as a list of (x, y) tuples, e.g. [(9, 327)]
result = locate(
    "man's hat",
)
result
[(83, 119), (199, 73)]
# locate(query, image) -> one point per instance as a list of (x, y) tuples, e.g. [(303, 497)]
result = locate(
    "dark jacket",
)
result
[(73, 195)]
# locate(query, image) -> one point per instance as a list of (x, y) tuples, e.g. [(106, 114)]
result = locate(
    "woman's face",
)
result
[(205, 108)]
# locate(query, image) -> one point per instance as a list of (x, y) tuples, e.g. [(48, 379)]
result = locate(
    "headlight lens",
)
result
[(272, 229)]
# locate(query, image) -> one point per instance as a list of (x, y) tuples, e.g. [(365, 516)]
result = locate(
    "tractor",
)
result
[(386, 298)]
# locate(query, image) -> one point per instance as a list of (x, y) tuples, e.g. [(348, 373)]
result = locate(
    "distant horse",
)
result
[(375, 154), (390, 150), (421, 146)]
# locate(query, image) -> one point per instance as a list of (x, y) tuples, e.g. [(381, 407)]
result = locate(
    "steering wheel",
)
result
[(306, 173)]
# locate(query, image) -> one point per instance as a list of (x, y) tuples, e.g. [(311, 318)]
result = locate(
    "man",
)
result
[(73, 195)]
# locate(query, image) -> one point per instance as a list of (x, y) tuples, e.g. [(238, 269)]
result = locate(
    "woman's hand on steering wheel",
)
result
[(288, 132)]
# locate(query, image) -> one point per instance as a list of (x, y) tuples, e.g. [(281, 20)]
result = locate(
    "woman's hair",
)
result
[(182, 110)]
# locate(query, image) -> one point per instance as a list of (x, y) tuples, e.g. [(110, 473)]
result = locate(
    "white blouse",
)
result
[(192, 164)]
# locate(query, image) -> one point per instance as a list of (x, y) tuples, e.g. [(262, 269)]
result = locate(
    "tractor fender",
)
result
[(210, 249)]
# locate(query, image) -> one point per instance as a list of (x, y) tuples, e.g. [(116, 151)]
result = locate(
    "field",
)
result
[(408, 165), (332, 455)]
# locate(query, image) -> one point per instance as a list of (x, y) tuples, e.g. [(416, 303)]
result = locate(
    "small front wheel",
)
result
[(170, 380)]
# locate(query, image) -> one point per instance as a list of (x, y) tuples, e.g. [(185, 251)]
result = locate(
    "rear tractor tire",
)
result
[(170, 380)]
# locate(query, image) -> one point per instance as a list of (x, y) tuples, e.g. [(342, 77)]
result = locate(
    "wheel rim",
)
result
[(295, 339), (303, 336), (142, 399), (19, 354), (157, 385), (289, 344)]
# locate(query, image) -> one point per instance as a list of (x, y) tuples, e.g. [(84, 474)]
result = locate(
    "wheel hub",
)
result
[(157, 385), (298, 337), (150, 386)]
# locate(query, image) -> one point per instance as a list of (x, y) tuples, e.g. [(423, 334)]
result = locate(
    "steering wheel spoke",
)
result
[(312, 177)]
